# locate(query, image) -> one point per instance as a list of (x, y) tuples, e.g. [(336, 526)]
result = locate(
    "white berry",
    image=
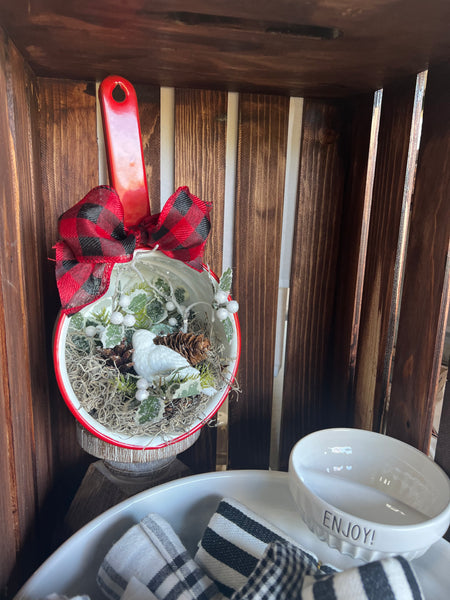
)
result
[(221, 297), (172, 321), (90, 330), (142, 384), (232, 306), (222, 314), (141, 395), (170, 305), (129, 320), (116, 318), (100, 328), (124, 301)]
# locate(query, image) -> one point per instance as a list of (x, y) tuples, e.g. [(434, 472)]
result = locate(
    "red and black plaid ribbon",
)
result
[(94, 238)]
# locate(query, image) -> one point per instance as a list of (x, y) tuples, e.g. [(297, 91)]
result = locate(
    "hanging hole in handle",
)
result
[(118, 93)]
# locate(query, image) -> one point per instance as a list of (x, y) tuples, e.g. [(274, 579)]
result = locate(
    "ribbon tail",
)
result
[(79, 284)]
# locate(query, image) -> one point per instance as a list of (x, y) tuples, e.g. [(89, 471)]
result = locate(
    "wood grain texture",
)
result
[(200, 136), (261, 163), (32, 220), (9, 517), (13, 255), (27, 446), (340, 378), (48, 161), (389, 211), (270, 47), (69, 169), (306, 404), (425, 289), (149, 115)]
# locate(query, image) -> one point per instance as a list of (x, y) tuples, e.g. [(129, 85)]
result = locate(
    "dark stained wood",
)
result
[(313, 274), (389, 212), (69, 163), (101, 489), (340, 331), (9, 517), (318, 48), (201, 456), (31, 221), (25, 412), (13, 255), (353, 238), (200, 136), (425, 289), (149, 116), (257, 238)]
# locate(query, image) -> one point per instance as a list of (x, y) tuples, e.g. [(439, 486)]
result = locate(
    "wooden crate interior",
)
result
[(320, 131)]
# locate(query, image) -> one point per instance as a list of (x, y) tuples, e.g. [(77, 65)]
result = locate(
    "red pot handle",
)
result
[(123, 142)]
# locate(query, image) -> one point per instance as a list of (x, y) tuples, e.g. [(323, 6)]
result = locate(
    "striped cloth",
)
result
[(150, 558), (233, 543), (136, 590), (286, 573), (247, 558)]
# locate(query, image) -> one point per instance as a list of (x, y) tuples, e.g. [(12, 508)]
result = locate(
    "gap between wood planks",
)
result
[(167, 170), (293, 151)]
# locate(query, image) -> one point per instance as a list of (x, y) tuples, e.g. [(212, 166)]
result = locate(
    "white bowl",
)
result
[(369, 495), (200, 289), (188, 504)]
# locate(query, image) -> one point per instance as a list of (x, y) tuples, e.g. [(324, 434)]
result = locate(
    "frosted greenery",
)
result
[(168, 407)]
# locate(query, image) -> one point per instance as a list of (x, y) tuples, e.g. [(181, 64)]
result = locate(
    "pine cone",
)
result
[(120, 356), (194, 347)]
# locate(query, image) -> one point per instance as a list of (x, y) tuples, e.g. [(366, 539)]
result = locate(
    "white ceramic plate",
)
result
[(187, 504)]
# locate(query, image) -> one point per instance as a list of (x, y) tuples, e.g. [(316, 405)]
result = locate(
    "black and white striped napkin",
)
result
[(243, 557), (233, 543), (150, 558)]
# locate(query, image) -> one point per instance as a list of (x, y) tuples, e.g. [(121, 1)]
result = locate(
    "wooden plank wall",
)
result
[(405, 301), (68, 161), (262, 142), (360, 118), (346, 265), (388, 208), (323, 167), (67, 129), (425, 299), (26, 465), (200, 137)]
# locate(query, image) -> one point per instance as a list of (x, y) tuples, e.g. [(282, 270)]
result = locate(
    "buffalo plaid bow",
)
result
[(94, 238)]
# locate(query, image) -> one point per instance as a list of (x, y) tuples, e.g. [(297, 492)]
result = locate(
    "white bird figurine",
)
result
[(154, 362)]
